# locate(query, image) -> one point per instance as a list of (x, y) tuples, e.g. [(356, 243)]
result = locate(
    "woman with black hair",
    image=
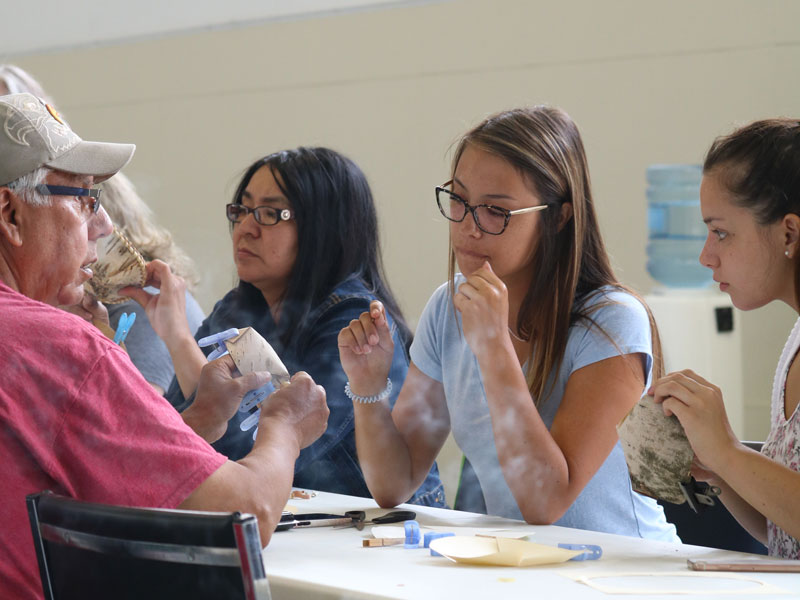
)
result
[(306, 248)]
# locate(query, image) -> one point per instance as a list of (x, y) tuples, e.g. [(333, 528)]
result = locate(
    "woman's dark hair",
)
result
[(337, 232), (545, 146), (759, 164)]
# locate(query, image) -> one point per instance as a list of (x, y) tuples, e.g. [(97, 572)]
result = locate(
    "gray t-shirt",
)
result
[(148, 353), (607, 503)]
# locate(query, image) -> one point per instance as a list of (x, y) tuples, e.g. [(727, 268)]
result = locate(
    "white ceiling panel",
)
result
[(50, 25)]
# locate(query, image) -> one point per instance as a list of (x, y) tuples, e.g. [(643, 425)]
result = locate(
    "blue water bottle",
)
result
[(677, 231)]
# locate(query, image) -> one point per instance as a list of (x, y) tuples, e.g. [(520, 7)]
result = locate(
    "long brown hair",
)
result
[(544, 145)]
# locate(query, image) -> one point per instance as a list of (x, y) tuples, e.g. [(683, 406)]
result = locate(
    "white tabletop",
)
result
[(331, 563)]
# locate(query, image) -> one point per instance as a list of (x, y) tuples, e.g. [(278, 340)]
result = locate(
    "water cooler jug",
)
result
[(697, 323)]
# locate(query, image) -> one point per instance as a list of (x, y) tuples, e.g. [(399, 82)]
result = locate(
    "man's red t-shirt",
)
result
[(77, 418)]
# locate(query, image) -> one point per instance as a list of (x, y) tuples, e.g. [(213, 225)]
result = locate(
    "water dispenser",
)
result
[(698, 325), (677, 231)]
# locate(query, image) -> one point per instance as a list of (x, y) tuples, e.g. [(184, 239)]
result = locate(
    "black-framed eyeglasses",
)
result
[(489, 218), (264, 215), (93, 195)]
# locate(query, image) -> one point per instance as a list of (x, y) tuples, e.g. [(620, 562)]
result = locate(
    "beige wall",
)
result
[(647, 82)]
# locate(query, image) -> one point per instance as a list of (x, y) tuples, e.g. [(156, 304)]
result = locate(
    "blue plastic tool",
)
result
[(435, 535), (254, 397), (219, 340), (590, 551), (123, 327), (412, 534)]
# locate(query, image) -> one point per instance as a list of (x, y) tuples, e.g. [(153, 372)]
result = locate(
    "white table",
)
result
[(331, 563)]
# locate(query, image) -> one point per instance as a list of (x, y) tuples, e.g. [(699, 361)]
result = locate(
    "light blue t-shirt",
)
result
[(607, 503)]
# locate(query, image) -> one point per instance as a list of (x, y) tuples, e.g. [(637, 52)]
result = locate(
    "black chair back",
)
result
[(713, 526), (92, 551)]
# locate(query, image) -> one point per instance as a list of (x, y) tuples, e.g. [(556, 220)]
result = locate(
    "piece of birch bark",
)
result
[(251, 352), (118, 264), (657, 451)]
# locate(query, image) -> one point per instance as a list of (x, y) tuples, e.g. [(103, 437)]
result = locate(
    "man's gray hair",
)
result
[(24, 186), (17, 80)]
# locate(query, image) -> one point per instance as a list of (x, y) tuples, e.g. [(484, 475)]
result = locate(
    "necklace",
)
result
[(516, 337)]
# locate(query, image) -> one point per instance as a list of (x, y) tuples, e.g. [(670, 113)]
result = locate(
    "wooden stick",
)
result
[(758, 566), (378, 542)]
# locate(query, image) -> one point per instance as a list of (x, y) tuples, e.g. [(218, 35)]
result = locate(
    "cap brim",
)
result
[(100, 159)]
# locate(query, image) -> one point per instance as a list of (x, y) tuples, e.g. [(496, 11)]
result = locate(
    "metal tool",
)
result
[(303, 520), (699, 494), (396, 516)]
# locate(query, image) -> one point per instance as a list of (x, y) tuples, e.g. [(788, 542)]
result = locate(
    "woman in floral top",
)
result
[(750, 198)]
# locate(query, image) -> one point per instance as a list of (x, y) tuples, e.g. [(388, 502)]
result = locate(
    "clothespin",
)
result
[(252, 398), (123, 327), (219, 340), (380, 542), (412, 534)]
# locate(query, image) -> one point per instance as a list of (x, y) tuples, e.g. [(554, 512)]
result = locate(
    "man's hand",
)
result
[(89, 309), (300, 405), (219, 394)]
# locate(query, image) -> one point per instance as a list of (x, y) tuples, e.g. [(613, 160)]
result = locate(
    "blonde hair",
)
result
[(135, 220)]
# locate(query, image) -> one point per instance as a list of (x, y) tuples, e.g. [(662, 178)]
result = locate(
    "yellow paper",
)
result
[(500, 552)]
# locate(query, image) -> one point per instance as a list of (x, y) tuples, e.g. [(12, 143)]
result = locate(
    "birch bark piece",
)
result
[(251, 352), (657, 451), (119, 264)]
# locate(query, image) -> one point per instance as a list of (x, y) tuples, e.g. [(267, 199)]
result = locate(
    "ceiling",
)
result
[(51, 26)]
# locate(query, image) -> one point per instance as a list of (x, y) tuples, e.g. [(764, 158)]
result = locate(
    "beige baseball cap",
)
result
[(32, 135)]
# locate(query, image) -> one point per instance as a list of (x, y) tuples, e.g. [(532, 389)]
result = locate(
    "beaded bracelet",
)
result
[(368, 399)]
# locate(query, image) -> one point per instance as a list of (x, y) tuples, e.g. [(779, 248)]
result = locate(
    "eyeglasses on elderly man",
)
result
[(92, 201)]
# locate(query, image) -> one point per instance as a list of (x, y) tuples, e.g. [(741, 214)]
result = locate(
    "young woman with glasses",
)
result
[(530, 355), (306, 248)]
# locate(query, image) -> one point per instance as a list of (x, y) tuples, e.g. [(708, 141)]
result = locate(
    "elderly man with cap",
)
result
[(76, 417)]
